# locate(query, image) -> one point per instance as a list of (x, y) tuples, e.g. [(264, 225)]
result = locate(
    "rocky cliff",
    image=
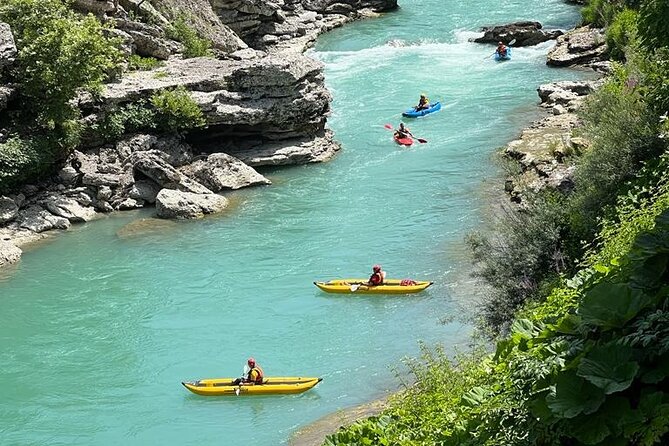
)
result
[(263, 101)]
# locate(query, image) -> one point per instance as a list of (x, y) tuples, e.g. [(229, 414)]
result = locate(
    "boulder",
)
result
[(221, 171), (68, 208), (9, 253), (97, 7), (155, 168), (173, 204), (580, 46), (37, 219), (145, 190), (8, 210), (524, 34)]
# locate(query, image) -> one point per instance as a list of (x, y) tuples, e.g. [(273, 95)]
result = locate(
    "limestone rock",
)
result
[(221, 171), (299, 151), (158, 170), (8, 209), (580, 46), (6, 94), (36, 219), (173, 204), (69, 208), (145, 190), (9, 253), (524, 33)]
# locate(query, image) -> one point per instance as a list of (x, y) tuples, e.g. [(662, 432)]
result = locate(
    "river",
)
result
[(99, 326)]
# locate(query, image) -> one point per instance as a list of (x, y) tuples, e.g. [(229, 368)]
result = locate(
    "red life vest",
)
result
[(501, 50), (376, 279)]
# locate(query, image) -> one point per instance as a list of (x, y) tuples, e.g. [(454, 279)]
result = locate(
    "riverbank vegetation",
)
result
[(579, 301), (63, 54)]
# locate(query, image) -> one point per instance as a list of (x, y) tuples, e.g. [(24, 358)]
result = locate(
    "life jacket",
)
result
[(501, 50), (376, 278), (422, 102), (259, 378), (402, 133)]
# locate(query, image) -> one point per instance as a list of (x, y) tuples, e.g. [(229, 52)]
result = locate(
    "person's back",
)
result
[(378, 276)]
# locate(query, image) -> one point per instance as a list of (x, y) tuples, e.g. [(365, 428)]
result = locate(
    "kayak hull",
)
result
[(412, 113), (403, 141), (390, 286), (277, 385), (503, 58)]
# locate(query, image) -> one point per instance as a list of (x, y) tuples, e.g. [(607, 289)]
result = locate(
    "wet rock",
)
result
[(173, 204), (524, 33)]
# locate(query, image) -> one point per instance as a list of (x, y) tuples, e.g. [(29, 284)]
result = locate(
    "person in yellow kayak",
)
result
[(423, 103), (377, 277), (254, 376), (403, 132)]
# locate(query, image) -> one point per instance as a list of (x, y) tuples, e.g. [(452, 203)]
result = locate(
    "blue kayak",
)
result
[(412, 113), (506, 57)]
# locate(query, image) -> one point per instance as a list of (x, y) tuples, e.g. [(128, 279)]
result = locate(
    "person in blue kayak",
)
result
[(403, 132), (423, 103), (253, 377), (377, 277), (501, 49)]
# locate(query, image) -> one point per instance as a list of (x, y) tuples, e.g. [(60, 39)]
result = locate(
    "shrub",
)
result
[(598, 12), (23, 160), (653, 24), (59, 53), (194, 45), (621, 33), (129, 118), (176, 110)]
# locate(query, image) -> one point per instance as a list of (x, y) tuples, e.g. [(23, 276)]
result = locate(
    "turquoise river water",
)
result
[(99, 326)]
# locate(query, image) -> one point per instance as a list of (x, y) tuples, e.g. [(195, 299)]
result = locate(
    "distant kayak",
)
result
[(403, 141), (499, 58), (271, 385), (356, 286), (412, 113)]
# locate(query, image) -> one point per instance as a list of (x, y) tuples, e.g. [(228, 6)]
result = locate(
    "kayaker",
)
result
[(423, 103), (377, 277), (254, 376), (501, 49), (403, 132)]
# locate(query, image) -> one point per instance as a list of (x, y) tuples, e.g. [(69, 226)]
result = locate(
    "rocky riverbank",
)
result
[(263, 101)]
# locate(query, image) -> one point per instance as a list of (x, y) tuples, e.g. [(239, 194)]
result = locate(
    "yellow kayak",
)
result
[(272, 385), (355, 286)]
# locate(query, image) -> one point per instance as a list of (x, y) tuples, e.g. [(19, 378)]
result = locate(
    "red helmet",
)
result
[(376, 268), (251, 362)]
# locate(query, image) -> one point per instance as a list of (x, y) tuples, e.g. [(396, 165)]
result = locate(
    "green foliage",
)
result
[(621, 33), (139, 63), (59, 54), (176, 110), (194, 45), (599, 12), (23, 160), (653, 24), (527, 249), (126, 119)]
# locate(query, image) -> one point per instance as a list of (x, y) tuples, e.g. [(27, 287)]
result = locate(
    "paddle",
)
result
[(420, 140), (508, 44)]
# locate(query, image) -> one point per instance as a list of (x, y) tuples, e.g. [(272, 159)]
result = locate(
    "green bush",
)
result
[(654, 24), (176, 110), (126, 119), (194, 45), (621, 33), (59, 54), (23, 160), (524, 251), (139, 63), (599, 12)]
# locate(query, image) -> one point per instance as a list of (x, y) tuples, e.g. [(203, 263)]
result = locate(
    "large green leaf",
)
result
[(609, 367), (611, 305), (574, 395)]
